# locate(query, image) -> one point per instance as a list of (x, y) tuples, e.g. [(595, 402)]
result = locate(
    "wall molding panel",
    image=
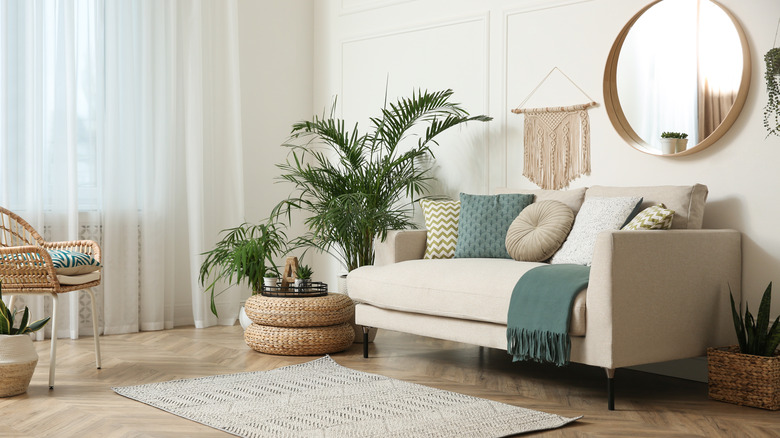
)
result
[(481, 19)]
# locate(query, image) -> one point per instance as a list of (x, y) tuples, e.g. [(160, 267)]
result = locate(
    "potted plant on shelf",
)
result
[(303, 276), (748, 374), (673, 142), (17, 352), (243, 255), (354, 186)]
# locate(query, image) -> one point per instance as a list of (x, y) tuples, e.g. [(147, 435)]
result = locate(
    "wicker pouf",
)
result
[(331, 309), (299, 326), (299, 341)]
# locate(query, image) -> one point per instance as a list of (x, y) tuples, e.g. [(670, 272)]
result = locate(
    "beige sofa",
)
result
[(653, 296)]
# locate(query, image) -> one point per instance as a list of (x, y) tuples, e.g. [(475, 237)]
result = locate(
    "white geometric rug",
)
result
[(324, 399)]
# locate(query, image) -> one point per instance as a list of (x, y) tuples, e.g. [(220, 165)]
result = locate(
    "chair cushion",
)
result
[(441, 220), (72, 280), (595, 216), (72, 262), (538, 231), (484, 221), (477, 289)]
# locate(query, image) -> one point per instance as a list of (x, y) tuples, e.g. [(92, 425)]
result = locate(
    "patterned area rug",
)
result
[(324, 399)]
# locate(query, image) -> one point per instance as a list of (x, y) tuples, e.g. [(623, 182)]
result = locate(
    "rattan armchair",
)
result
[(26, 269)]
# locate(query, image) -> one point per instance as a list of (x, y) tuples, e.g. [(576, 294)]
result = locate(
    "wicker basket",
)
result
[(744, 379), (17, 364)]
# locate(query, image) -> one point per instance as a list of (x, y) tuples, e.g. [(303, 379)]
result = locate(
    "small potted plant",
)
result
[(17, 352), (673, 142), (746, 374), (270, 278), (303, 276)]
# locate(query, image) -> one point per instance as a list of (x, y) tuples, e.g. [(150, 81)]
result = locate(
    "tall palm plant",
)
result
[(355, 187)]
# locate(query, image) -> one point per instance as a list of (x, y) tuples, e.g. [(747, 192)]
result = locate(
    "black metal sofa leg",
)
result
[(365, 342), (610, 388)]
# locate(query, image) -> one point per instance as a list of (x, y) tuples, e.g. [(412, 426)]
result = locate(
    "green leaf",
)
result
[(5, 327), (37, 325), (739, 325), (773, 338), (762, 318), (25, 320), (750, 329)]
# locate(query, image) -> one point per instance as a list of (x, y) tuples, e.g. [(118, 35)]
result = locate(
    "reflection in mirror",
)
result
[(679, 69)]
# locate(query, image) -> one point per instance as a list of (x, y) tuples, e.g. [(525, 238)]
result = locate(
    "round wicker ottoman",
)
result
[(299, 326)]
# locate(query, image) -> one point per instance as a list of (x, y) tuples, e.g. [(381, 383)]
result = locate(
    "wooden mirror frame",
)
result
[(615, 110)]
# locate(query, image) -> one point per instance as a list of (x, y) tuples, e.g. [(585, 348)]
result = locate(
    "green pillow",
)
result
[(657, 217), (484, 221)]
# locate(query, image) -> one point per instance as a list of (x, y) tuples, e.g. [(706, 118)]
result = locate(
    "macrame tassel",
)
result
[(557, 144)]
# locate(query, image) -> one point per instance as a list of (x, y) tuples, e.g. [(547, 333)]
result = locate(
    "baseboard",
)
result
[(690, 369)]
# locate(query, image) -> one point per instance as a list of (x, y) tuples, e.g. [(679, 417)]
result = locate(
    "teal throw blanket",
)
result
[(539, 312)]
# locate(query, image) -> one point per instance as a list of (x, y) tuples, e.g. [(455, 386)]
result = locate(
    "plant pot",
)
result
[(744, 379), (243, 319), (270, 281), (343, 285), (681, 144), (302, 282), (668, 146), (17, 364)]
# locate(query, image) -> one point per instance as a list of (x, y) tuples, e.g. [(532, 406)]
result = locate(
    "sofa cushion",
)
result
[(473, 289), (686, 201), (484, 221), (573, 198), (538, 231), (441, 220), (595, 216), (657, 217)]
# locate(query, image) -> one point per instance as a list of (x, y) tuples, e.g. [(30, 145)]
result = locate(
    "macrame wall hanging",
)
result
[(556, 141)]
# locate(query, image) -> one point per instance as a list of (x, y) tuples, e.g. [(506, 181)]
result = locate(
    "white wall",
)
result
[(494, 52), (276, 50)]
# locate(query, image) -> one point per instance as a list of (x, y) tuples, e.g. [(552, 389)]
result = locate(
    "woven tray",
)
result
[(744, 379), (301, 341), (331, 309)]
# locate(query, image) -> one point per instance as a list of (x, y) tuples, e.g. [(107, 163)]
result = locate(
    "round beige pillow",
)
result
[(538, 231)]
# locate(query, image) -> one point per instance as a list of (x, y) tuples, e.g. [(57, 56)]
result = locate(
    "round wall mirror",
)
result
[(680, 67)]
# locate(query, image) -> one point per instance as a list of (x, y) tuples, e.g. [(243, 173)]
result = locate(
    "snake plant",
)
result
[(7, 319), (754, 335)]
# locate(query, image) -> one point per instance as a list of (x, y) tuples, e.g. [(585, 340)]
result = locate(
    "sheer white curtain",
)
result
[(120, 121)]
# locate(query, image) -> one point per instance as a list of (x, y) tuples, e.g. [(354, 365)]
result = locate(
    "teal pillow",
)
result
[(484, 221), (72, 262)]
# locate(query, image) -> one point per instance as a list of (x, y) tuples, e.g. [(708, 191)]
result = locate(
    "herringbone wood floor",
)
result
[(83, 405)]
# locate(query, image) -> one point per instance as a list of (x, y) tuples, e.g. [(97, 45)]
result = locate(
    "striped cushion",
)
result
[(441, 220), (72, 262), (657, 217)]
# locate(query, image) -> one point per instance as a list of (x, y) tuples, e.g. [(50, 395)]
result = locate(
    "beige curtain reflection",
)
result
[(714, 104)]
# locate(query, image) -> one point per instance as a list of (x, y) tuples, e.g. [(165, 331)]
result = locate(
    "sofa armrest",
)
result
[(400, 245), (662, 295)]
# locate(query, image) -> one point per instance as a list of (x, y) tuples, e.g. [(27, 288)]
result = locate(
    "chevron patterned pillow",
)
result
[(657, 217), (441, 220), (72, 262)]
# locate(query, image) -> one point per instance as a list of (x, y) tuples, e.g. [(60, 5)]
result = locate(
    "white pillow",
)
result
[(595, 215)]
